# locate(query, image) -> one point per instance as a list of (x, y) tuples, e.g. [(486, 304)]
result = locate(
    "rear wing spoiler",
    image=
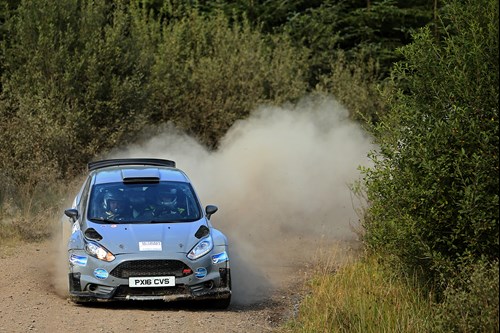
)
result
[(129, 161)]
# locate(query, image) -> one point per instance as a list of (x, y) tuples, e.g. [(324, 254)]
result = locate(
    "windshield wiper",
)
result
[(161, 221), (99, 219)]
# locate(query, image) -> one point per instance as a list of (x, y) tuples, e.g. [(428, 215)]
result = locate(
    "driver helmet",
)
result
[(114, 202)]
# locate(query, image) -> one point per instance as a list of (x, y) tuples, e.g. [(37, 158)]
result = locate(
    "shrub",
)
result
[(72, 85), (471, 301), (356, 84), (434, 187), (210, 72)]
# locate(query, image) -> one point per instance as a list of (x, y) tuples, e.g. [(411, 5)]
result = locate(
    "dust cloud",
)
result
[(61, 231), (281, 179)]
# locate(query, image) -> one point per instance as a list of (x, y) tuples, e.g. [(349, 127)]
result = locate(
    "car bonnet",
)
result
[(148, 237)]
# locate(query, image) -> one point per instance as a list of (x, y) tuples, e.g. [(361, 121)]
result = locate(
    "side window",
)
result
[(83, 197), (78, 197), (188, 202)]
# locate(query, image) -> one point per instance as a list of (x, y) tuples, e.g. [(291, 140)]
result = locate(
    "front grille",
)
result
[(139, 268), (124, 291)]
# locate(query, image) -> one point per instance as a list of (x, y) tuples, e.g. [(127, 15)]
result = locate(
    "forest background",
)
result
[(80, 78)]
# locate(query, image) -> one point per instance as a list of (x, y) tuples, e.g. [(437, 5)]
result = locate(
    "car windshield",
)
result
[(161, 202)]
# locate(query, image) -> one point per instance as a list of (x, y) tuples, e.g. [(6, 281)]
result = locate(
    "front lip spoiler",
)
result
[(215, 293)]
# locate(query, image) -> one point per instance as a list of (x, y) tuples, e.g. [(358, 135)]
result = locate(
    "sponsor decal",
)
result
[(200, 272), (78, 260), (220, 257), (150, 246), (101, 273)]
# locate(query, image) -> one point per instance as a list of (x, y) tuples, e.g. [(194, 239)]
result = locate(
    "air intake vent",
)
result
[(92, 234)]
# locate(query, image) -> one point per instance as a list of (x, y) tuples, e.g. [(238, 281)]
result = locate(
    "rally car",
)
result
[(139, 233)]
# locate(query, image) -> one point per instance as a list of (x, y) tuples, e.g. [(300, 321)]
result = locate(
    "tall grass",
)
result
[(30, 212), (362, 296)]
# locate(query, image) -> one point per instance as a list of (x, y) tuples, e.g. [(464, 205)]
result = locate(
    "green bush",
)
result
[(80, 78), (357, 85), (210, 72), (434, 187), (72, 85)]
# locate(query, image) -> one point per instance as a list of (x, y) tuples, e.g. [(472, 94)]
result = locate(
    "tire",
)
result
[(221, 303), (78, 300)]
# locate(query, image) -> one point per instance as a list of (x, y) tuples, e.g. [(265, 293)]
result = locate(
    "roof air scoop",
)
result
[(141, 180), (141, 175)]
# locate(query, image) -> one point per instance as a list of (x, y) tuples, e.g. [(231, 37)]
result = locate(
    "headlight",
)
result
[(98, 251), (203, 247)]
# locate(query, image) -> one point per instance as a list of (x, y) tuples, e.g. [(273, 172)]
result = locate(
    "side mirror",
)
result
[(71, 213), (210, 210)]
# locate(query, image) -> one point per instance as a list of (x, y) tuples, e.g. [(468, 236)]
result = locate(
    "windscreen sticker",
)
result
[(150, 246)]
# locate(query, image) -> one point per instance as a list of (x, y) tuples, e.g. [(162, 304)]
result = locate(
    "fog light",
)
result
[(209, 284)]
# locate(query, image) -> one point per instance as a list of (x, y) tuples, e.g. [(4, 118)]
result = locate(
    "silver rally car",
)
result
[(139, 233)]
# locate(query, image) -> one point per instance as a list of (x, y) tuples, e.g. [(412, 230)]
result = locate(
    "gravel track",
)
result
[(29, 302)]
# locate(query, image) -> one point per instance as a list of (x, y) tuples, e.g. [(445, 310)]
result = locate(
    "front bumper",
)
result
[(199, 291), (85, 285)]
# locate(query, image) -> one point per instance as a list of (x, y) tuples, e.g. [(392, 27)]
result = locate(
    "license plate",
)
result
[(151, 281)]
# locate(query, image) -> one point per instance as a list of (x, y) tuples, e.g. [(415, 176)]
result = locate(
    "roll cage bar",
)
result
[(129, 161)]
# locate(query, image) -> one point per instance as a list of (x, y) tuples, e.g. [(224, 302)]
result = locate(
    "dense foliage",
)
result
[(372, 28), (79, 78), (434, 188)]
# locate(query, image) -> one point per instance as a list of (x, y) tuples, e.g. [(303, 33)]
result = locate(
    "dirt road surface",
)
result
[(29, 303)]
